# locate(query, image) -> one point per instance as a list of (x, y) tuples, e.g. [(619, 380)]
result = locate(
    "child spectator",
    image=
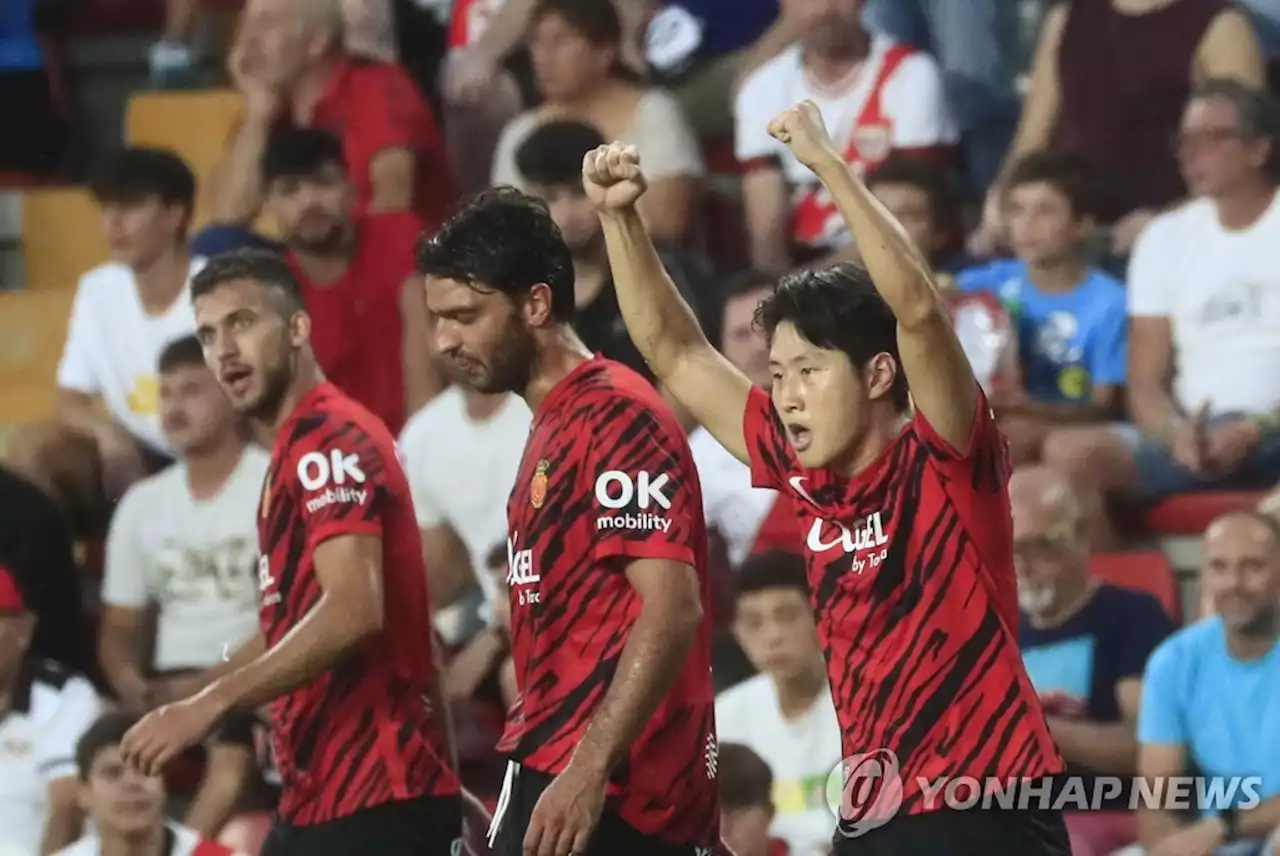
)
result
[(746, 802), (921, 196), (1070, 317)]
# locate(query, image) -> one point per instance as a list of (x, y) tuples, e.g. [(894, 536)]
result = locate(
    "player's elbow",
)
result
[(923, 311)]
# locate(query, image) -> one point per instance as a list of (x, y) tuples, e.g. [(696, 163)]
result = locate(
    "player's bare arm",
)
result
[(942, 384), (659, 321)]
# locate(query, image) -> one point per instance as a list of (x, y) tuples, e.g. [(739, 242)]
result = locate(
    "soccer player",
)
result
[(612, 742), (345, 651), (904, 509)]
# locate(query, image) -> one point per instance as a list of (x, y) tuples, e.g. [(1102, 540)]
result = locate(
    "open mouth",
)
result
[(236, 380), (800, 437)]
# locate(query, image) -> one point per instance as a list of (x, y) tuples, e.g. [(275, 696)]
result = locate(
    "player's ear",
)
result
[(879, 374), (299, 329), (537, 306)]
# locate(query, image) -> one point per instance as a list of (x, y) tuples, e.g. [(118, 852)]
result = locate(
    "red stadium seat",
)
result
[(1191, 513), (1144, 570), (719, 156)]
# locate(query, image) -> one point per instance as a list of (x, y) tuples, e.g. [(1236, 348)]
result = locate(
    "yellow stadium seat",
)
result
[(33, 328), (61, 236)]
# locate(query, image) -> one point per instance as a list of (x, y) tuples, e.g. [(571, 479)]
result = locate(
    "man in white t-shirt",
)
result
[(1204, 302), (43, 711), (124, 313), (876, 96), (462, 452), (784, 714), (185, 542)]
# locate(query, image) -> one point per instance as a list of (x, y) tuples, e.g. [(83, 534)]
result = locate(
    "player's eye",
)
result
[(806, 371)]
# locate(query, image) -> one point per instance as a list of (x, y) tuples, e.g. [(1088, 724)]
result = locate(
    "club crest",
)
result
[(538, 485)]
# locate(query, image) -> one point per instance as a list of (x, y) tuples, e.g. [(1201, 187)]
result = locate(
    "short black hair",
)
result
[(745, 779), (746, 282), (772, 569), (135, 173), (596, 20), (268, 268), (552, 154), (839, 308), (180, 353), (505, 240), (107, 730), (1067, 173), (937, 184), (299, 153)]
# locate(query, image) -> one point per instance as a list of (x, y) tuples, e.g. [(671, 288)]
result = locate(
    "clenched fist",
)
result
[(802, 130), (612, 178)]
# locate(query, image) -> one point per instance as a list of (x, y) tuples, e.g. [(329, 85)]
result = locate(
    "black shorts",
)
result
[(613, 835), (425, 826), (1032, 832)]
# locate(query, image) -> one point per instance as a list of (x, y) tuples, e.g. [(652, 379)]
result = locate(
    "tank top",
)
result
[(1125, 80)]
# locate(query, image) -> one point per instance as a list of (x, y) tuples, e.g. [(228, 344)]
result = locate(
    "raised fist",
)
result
[(802, 130), (612, 178)]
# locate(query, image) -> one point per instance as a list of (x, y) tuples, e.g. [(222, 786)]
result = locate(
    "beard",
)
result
[(276, 381), (509, 368), (318, 242)]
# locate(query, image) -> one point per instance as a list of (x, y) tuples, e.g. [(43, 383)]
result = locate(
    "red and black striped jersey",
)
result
[(607, 477), (910, 567), (363, 733)]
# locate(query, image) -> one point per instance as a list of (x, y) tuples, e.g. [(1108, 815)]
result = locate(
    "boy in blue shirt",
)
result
[(1070, 317)]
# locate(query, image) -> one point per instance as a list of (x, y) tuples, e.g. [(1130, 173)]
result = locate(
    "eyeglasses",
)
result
[(1184, 140)]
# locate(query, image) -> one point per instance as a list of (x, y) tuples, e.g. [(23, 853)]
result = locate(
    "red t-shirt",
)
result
[(356, 325), (910, 567), (363, 733), (607, 476), (374, 106)]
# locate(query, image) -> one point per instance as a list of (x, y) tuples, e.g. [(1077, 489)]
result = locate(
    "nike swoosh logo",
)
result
[(797, 484)]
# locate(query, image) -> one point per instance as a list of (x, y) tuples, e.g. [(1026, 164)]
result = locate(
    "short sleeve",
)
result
[(390, 112), (1148, 276), (987, 454), (123, 581), (79, 367), (916, 102), (751, 116), (975, 279), (1145, 626), (1109, 348), (341, 481), (767, 443), (504, 170), (661, 133), (645, 491), (1162, 716), (78, 708)]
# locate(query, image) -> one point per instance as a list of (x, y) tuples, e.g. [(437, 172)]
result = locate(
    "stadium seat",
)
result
[(1191, 513), (105, 17), (33, 326), (61, 236), (1144, 570)]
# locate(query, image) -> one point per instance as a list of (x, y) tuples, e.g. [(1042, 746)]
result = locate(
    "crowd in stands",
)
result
[(1102, 213)]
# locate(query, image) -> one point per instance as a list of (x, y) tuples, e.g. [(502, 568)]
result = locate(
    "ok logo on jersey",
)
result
[(317, 470)]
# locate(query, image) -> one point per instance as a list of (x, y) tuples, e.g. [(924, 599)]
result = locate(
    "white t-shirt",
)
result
[(912, 99), (731, 505), (38, 737), (186, 842), (113, 345), (800, 752), (461, 472), (195, 559), (1221, 292)]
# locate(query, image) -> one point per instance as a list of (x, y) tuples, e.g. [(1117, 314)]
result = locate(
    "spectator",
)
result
[(575, 48), (124, 313), (487, 656), (43, 711), (368, 322), (26, 90), (921, 197), (746, 801), (1085, 644), (1210, 694), (877, 96), (1070, 317), (550, 159), (125, 806), (290, 65), (185, 542), (1108, 82), (785, 713), (1200, 297)]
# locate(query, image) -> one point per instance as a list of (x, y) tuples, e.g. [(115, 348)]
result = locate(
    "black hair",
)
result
[(772, 569), (107, 730), (552, 154), (597, 20), (135, 173), (300, 153), (180, 353), (504, 240), (746, 282), (1257, 113), (937, 184), (266, 267), (837, 308), (1069, 174), (745, 778)]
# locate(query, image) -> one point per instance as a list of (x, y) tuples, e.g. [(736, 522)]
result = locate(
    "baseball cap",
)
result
[(11, 599)]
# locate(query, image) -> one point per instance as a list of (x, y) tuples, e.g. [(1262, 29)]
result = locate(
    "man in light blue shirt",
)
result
[(1211, 699), (1069, 317)]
